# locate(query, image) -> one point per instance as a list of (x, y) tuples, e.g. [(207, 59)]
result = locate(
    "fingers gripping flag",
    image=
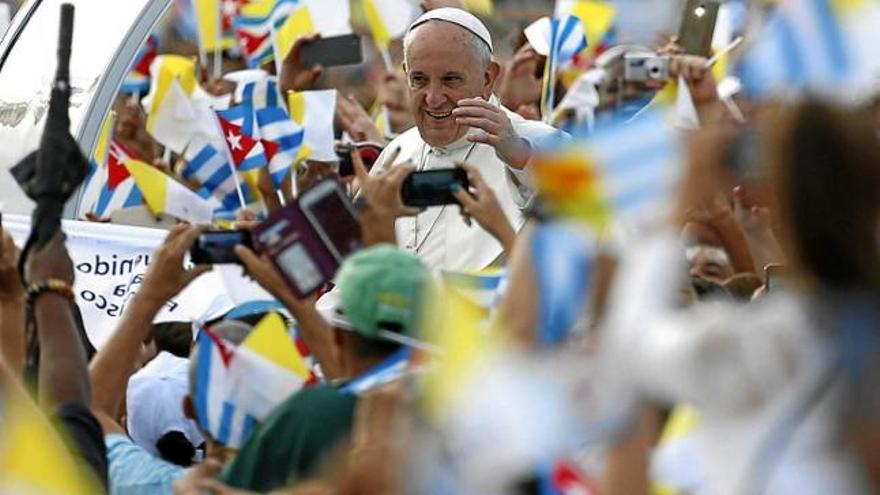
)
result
[(282, 140)]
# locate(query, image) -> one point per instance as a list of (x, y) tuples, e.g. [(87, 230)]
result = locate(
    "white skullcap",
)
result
[(456, 16)]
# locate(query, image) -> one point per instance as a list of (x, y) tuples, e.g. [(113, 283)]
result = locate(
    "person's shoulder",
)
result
[(407, 139)]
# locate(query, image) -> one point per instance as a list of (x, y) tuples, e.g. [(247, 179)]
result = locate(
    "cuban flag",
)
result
[(236, 387), (119, 190), (227, 424), (137, 82), (282, 140), (242, 138), (253, 28), (210, 168)]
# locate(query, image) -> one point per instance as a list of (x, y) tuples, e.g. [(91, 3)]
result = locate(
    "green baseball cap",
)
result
[(381, 289)]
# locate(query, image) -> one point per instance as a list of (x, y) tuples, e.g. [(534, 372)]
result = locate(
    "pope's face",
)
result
[(441, 69)]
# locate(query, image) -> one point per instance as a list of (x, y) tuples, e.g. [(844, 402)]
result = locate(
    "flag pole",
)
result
[(386, 57), (218, 46), (231, 161)]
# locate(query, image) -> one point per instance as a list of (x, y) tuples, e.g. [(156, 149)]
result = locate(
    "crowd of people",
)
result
[(534, 336)]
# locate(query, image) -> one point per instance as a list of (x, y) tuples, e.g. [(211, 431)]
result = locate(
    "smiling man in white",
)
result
[(451, 75)]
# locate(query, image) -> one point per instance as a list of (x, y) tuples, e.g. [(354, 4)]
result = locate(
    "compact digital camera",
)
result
[(645, 67)]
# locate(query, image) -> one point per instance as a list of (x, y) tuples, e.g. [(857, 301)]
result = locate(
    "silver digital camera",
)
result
[(645, 67)]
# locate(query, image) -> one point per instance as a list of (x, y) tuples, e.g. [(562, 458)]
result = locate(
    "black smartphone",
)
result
[(698, 26), (216, 247), (433, 187), (333, 51)]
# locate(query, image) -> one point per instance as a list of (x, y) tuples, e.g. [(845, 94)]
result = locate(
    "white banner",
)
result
[(110, 261)]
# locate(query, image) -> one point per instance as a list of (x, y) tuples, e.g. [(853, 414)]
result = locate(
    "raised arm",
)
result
[(62, 377), (165, 278), (12, 306)]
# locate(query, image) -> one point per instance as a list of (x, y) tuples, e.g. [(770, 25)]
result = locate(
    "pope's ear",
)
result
[(493, 70)]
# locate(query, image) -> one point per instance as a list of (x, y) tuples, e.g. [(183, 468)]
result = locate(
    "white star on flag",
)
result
[(234, 141)]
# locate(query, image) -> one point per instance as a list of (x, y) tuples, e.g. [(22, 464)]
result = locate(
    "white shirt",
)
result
[(438, 235)]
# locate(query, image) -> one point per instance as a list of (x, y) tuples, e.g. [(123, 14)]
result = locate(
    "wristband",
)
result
[(37, 289)]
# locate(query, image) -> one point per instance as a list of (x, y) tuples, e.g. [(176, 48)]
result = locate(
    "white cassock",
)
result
[(439, 235)]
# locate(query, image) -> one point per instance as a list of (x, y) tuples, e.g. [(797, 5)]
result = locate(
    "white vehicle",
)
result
[(106, 37)]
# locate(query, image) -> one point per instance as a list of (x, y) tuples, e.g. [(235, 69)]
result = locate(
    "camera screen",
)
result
[(299, 267), (336, 221)]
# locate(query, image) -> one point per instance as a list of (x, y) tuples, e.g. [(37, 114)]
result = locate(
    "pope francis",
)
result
[(450, 73)]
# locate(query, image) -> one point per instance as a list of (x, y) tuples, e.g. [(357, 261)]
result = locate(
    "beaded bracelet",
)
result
[(37, 289)]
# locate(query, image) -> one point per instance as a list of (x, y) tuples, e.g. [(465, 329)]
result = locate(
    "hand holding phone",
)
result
[(333, 51), (217, 247), (433, 187)]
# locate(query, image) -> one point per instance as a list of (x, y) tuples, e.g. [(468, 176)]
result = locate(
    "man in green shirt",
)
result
[(380, 291)]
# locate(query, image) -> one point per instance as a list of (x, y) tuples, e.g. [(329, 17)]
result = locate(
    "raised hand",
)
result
[(382, 202), (498, 131), (520, 84), (166, 276), (50, 262), (295, 77), (356, 122)]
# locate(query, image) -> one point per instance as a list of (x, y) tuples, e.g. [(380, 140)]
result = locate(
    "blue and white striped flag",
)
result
[(218, 416), (211, 169), (565, 38), (259, 94), (389, 370), (620, 171), (282, 140), (563, 267), (817, 45)]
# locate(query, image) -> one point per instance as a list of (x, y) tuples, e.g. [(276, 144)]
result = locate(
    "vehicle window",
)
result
[(29, 68)]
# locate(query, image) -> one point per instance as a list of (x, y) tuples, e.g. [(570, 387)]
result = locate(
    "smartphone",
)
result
[(333, 51), (216, 247), (369, 154), (698, 26), (333, 217), (433, 187)]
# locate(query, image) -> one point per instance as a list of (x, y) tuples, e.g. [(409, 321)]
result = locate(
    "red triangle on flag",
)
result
[(239, 144), (250, 42), (270, 148), (117, 155)]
